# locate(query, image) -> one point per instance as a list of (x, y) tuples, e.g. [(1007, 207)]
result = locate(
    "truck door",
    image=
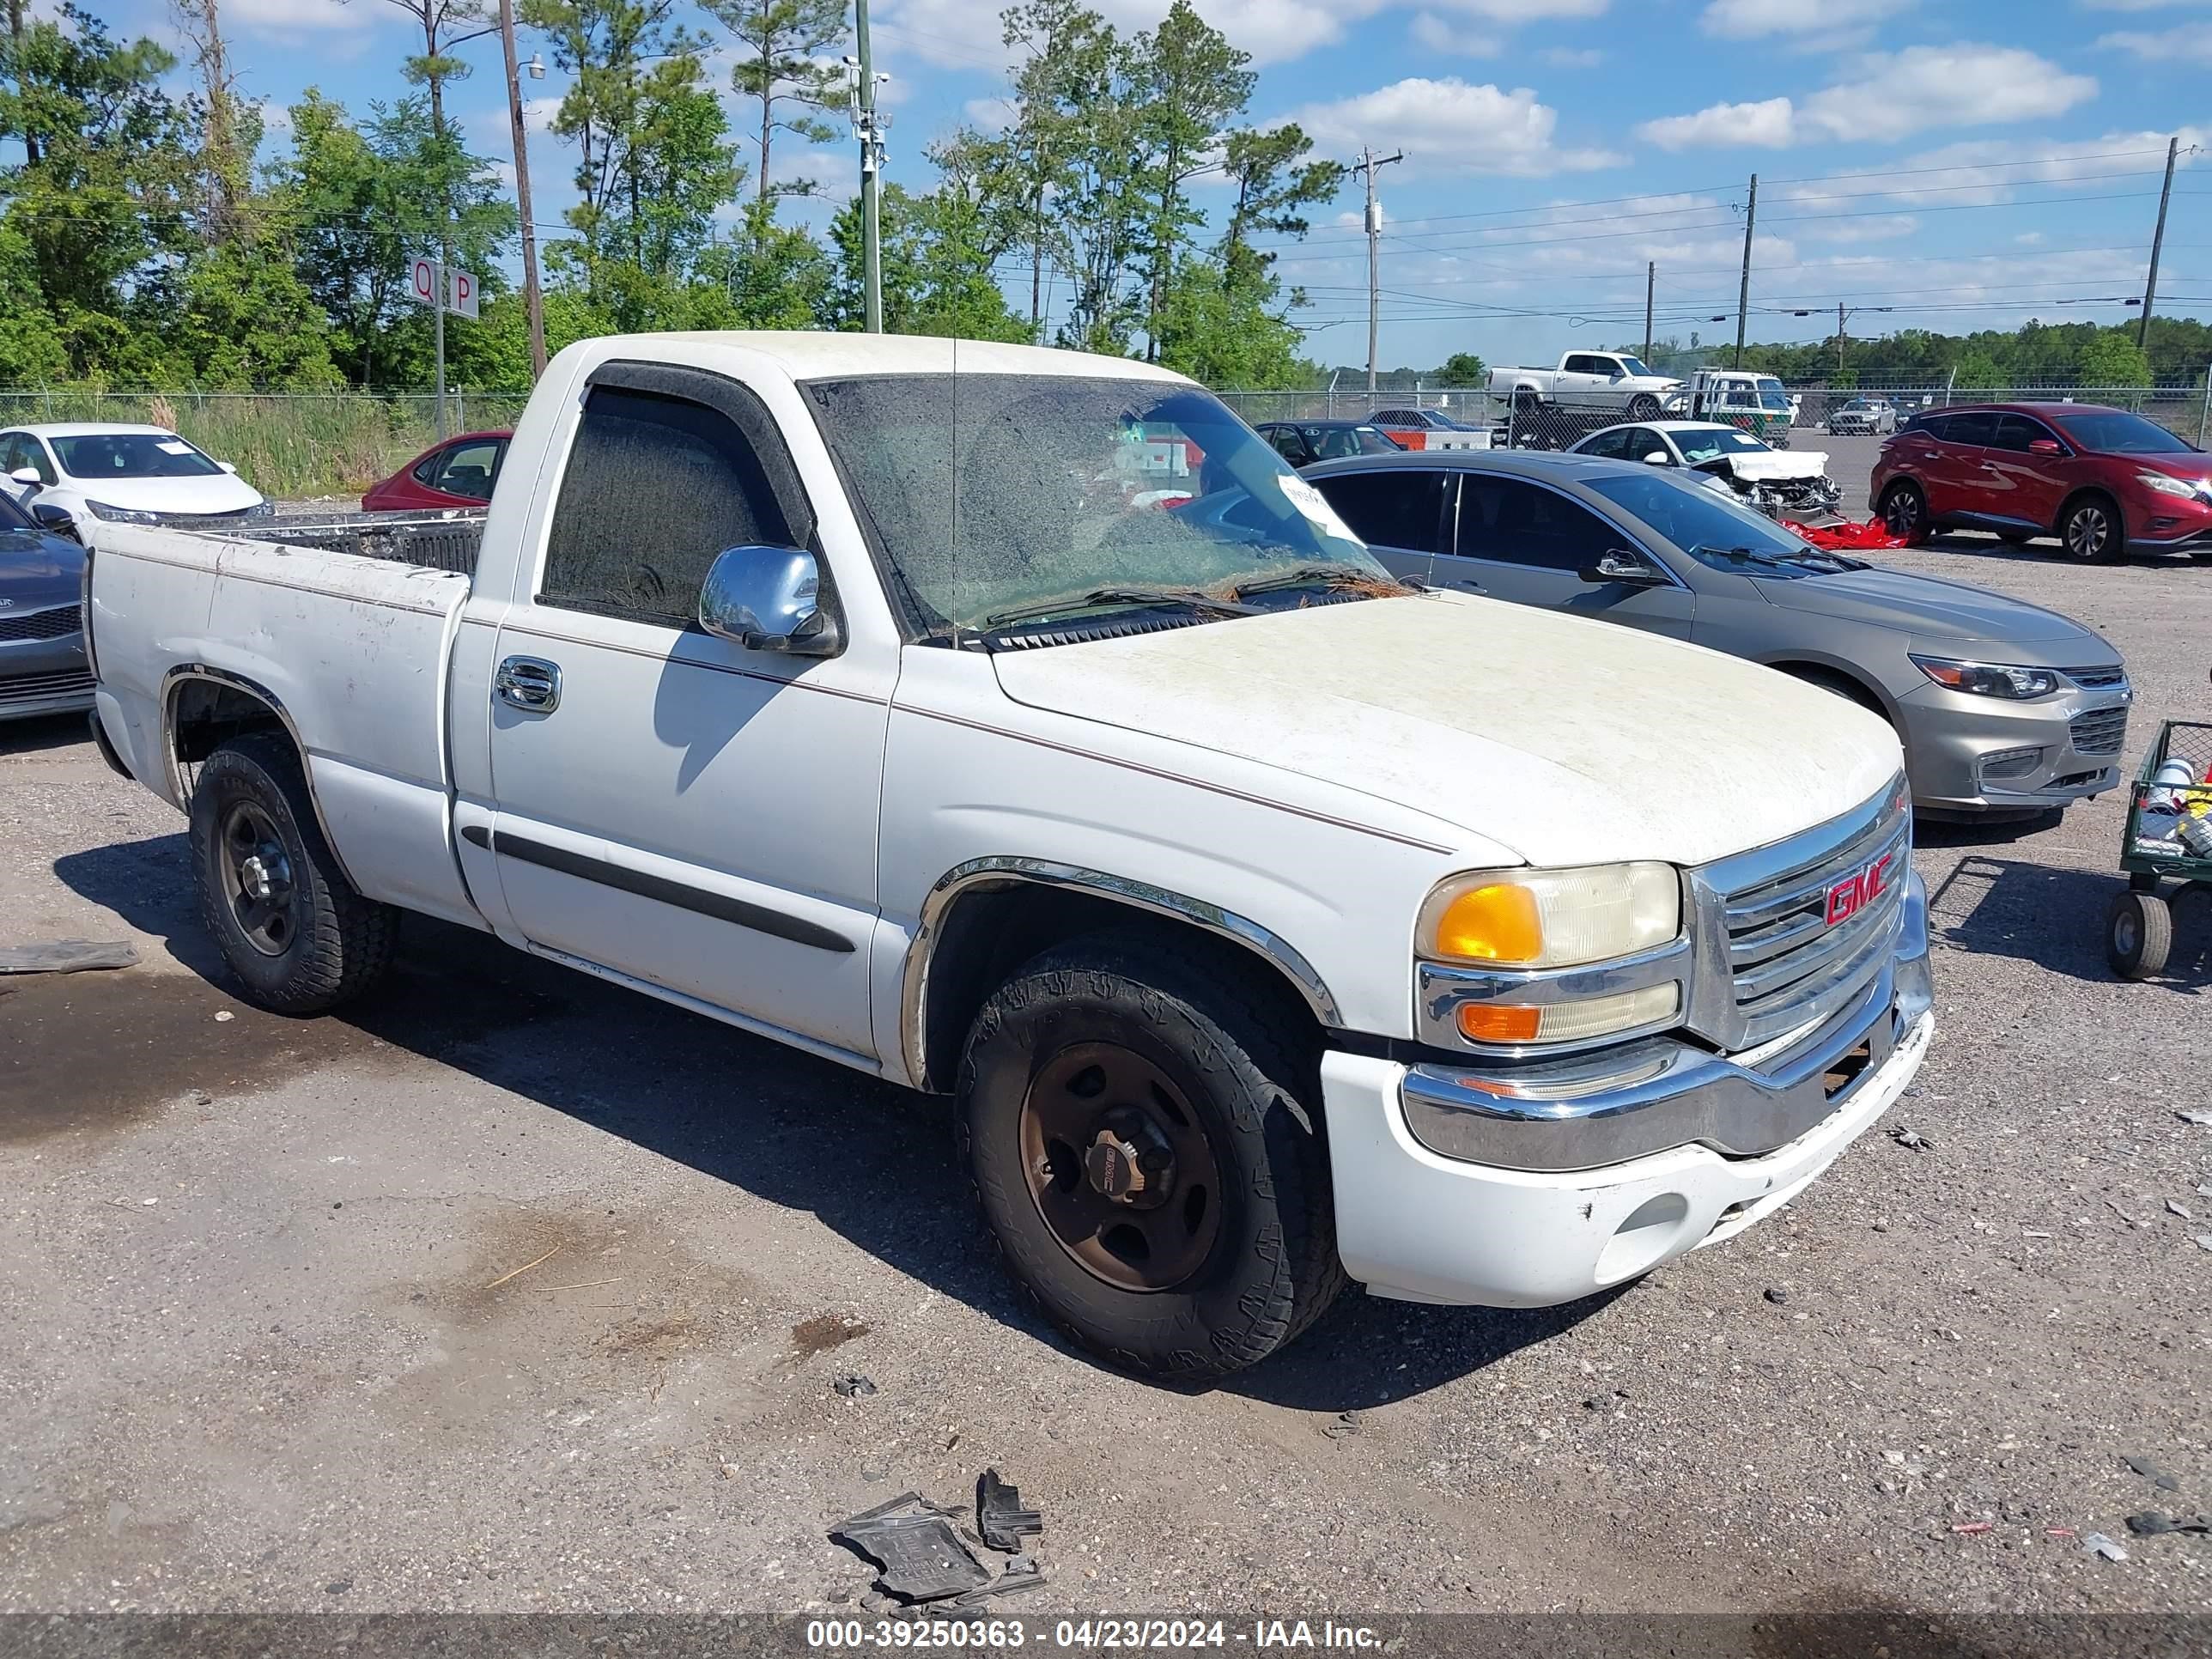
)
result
[(669, 804), (1581, 377)]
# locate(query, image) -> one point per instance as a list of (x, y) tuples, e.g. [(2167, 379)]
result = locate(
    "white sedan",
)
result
[(98, 473), (1779, 482)]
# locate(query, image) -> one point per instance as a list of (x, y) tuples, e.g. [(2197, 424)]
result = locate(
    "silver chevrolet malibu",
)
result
[(2003, 708)]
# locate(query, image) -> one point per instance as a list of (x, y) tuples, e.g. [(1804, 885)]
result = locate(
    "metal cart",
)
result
[(2139, 927)]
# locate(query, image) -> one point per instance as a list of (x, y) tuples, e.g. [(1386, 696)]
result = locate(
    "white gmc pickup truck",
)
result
[(1274, 923)]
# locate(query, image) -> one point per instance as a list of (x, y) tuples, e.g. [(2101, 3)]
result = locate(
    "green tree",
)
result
[(2112, 358), (772, 276), (1065, 68), (1463, 368), (784, 71), (1186, 84), (1274, 182), (1236, 337)]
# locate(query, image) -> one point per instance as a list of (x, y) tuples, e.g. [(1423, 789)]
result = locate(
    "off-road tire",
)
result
[(2138, 934), (1250, 1074), (340, 943), (1916, 529)]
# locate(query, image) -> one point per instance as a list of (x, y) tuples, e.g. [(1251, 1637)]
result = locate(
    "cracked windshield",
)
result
[(999, 500)]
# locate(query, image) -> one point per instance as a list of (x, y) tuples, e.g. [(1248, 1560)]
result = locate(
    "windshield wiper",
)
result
[(1304, 575), (1097, 597)]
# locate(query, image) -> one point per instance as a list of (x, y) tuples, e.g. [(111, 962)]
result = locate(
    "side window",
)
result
[(11, 452), (425, 471), (655, 488), (1645, 441), (1397, 507), (1609, 445), (21, 449), (1333, 443), (1581, 364), (1513, 521), (1971, 428), (2017, 432), (468, 469), (1289, 445)]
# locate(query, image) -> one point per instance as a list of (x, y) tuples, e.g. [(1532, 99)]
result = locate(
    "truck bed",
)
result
[(430, 541)]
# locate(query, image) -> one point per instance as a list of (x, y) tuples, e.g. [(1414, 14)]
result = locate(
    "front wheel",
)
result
[(2092, 530), (286, 919), (1142, 1136), (1644, 407), (2138, 934)]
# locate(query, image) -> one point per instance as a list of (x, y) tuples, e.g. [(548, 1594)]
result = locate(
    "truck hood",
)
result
[(1931, 608), (38, 572), (221, 492), (1772, 466), (1567, 740)]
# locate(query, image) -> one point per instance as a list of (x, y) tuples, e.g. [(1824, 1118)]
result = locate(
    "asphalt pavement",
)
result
[(509, 1289)]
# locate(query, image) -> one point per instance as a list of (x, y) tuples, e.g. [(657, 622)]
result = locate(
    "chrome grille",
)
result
[(2100, 732), (37, 688), (52, 624), (1773, 961), (2097, 679)]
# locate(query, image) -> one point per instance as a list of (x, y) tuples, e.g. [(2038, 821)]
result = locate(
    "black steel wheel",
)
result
[(287, 919), (1140, 1117), (2139, 934)]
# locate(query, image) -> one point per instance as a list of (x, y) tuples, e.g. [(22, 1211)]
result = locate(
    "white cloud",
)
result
[(1768, 124), (294, 18), (1758, 18), (1441, 34), (1885, 227), (964, 34), (1985, 170), (1449, 126), (2184, 43), (1525, 11), (1891, 95)]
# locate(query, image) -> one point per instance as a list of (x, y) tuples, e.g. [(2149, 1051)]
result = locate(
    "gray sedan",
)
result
[(42, 663), (2002, 707)]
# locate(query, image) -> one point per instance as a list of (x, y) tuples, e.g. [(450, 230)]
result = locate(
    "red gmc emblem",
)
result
[(1855, 892)]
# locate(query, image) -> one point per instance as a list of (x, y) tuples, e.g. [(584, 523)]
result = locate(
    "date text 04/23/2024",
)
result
[(1091, 1633)]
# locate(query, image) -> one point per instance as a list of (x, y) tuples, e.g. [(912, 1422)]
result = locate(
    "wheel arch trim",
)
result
[(1004, 871), (173, 683)]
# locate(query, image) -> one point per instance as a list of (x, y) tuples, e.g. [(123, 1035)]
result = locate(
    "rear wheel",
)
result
[(287, 921), (1644, 407), (1905, 513), (2092, 530), (2138, 934), (1141, 1131)]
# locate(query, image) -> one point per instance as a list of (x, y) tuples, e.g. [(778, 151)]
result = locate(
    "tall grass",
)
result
[(285, 445)]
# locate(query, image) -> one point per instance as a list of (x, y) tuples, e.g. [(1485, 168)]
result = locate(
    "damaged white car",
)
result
[(1781, 483)]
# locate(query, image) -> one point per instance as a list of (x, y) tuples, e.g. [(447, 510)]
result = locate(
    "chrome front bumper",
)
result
[(1589, 1110)]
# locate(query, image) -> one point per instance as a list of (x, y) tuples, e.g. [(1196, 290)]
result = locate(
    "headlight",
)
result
[(260, 510), (1551, 918), (1989, 679), (101, 510), (2165, 483)]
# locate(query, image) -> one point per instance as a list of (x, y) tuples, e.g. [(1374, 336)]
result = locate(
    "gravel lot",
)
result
[(269, 1348)]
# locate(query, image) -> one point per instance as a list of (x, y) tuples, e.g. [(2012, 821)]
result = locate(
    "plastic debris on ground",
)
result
[(1843, 537), (1918, 1143), (67, 956), (2151, 1471), (923, 1559), (2095, 1543), (999, 1516), (851, 1383), (2150, 1523), (2203, 1119)]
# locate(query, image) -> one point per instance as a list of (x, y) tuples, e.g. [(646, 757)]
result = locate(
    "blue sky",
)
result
[(1967, 163)]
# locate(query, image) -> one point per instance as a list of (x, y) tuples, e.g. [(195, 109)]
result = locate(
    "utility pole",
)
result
[(872, 161), (532, 299), (1368, 162), (2157, 241), (1743, 290), (1651, 281), (1841, 318)]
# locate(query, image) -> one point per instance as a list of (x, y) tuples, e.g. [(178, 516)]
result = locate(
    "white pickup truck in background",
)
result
[(1588, 380), (1273, 923)]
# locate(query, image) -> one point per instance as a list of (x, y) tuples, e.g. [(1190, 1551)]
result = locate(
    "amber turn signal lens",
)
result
[(1485, 1021), (1498, 923)]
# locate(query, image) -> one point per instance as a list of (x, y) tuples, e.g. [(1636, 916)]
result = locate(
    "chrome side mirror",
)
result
[(768, 598)]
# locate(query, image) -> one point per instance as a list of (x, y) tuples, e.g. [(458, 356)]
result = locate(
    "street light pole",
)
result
[(532, 299)]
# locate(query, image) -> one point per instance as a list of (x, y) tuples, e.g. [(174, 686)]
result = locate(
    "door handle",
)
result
[(530, 683)]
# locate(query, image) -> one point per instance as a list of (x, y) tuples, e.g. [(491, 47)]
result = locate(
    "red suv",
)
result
[(2105, 482), (459, 472)]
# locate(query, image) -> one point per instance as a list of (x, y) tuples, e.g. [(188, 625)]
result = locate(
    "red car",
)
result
[(459, 472), (2106, 483)]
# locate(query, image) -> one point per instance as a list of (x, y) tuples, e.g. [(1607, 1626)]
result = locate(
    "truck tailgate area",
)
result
[(352, 651)]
